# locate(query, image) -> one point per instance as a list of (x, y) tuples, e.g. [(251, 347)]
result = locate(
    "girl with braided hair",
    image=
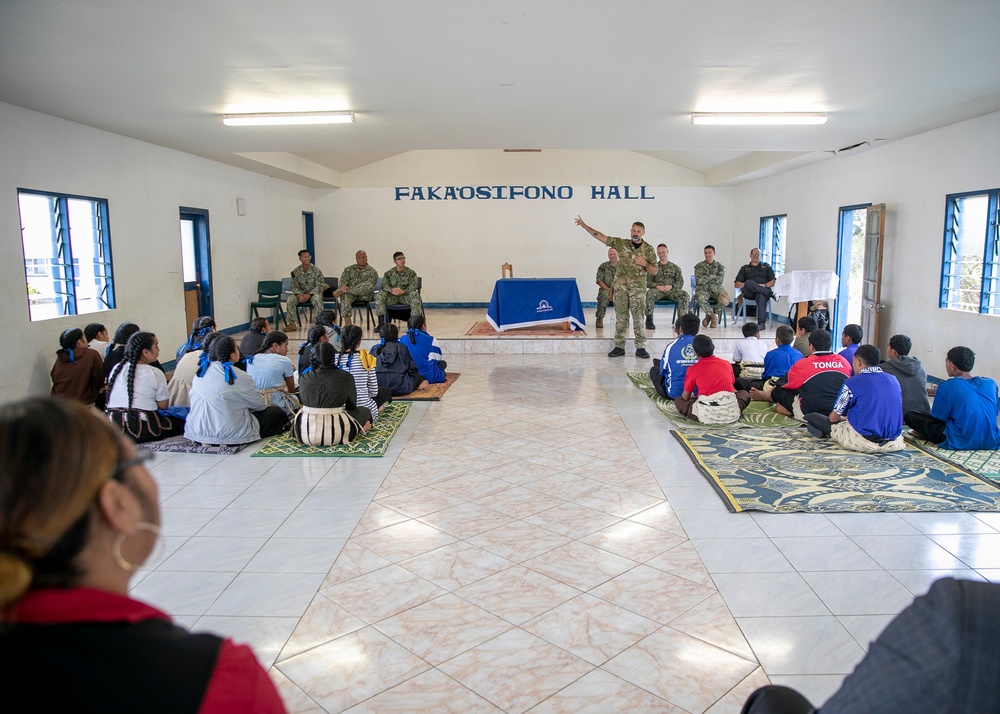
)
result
[(395, 369), (116, 350), (274, 373), (328, 319), (136, 390), (361, 365), (199, 328), (78, 373), (424, 350), (316, 334), (330, 414), (187, 367), (78, 517), (226, 407), (251, 342)]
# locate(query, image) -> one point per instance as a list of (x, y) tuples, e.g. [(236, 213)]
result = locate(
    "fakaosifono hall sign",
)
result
[(512, 193)]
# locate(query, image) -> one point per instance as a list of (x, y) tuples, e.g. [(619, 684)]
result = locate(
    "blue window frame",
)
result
[(970, 267), (67, 254), (772, 242)]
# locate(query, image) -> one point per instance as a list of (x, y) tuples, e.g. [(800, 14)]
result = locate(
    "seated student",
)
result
[(328, 320), (750, 350), (330, 414), (813, 383), (116, 349), (868, 413), (424, 350), (850, 339), (805, 325), (226, 407), (78, 373), (667, 373), (910, 373), (136, 390), (964, 415), (361, 366), (274, 373), (394, 367), (708, 394), (251, 342), (188, 366), (199, 328), (316, 334), (97, 338), (938, 655), (777, 362)]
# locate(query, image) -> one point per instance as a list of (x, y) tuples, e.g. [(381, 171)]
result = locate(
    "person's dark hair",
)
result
[(68, 340), (199, 328), (258, 324), (222, 351), (397, 254), (326, 318), (821, 340), (124, 331), (784, 334), (901, 343), (807, 324), (351, 341), (316, 332), (301, 252), (662, 245), (854, 333), (963, 358), (323, 354), (91, 331), (869, 355), (688, 324), (703, 346), (210, 338), (709, 246), (416, 322), (134, 348), (750, 329), (56, 454), (274, 337), (640, 224), (389, 332)]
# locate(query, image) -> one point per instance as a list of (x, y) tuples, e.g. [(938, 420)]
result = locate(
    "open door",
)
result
[(871, 297), (196, 260)]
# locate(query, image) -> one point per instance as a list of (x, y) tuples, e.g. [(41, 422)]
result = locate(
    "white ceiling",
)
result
[(466, 74)]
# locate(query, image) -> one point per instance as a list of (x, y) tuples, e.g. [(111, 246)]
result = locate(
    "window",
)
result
[(970, 271), (772, 242), (67, 254)]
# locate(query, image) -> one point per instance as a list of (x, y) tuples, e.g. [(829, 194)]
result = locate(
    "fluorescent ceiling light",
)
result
[(288, 118), (758, 118)]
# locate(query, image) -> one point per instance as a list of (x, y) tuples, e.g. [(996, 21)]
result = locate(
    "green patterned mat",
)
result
[(985, 463), (758, 415), (784, 471), (372, 444)]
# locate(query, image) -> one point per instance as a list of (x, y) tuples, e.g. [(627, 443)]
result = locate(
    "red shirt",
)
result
[(709, 375), (803, 370), (238, 682)]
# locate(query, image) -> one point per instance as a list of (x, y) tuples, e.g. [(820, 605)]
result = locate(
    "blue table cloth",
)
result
[(523, 302)]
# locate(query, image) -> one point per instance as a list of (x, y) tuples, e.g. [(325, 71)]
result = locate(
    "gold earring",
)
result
[(116, 548)]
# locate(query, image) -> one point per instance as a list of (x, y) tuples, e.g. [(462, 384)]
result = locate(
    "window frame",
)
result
[(989, 277), (773, 241), (64, 271)]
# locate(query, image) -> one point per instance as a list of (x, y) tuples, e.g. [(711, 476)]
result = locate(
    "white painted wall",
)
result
[(145, 185), (912, 177)]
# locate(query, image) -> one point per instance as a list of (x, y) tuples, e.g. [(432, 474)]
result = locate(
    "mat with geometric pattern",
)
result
[(786, 470), (984, 462), (372, 444), (432, 392)]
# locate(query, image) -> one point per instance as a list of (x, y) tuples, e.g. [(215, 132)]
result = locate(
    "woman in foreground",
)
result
[(330, 414), (80, 514)]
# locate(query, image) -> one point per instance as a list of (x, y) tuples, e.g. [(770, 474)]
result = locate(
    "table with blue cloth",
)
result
[(523, 302)]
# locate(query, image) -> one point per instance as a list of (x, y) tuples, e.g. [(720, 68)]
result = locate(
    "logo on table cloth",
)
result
[(543, 306)]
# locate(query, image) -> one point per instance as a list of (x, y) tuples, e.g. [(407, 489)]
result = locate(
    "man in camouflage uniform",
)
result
[(357, 282), (605, 279), (307, 286), (399, 287), (637, 259), (708, 275), (667, 284)]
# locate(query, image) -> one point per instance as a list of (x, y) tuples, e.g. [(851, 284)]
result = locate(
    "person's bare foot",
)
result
[(758, 395), (424, 385), (367, 426)]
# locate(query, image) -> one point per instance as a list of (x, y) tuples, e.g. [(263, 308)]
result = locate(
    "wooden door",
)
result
[(871, 294)]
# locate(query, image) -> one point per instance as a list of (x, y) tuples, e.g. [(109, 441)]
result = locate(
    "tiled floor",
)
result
[(536, 541)]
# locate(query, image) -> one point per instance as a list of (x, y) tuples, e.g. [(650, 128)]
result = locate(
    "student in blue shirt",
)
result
[(668, 372), (777, 362)]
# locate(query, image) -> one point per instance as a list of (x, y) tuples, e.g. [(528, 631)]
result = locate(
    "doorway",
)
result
[(850, 267), (196, 265)]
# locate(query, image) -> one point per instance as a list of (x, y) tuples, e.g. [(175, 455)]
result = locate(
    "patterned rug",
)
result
[(757, 414), (178, 444), (372, 444), (784, 471), (985, 463), (562, 329), (434, 392)]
